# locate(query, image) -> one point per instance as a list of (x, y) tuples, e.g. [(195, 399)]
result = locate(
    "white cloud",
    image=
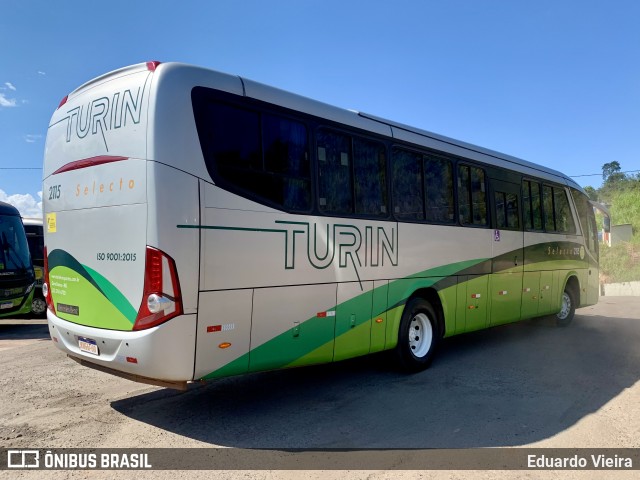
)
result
[(40, 72), (7, 102), (25, 203), (29, 138), (10, 86)]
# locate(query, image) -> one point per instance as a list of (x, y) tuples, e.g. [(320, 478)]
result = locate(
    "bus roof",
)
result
[(190, 76), (515, 163), (401, 131)]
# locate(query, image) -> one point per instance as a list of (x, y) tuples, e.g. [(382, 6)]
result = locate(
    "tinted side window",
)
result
[(408, 196), (562, 210), (257, 155), (587, 220), (472, 197), (438, 184), (369, 168), (235, 139), (507, 211), (532, 205), (557, 212), (334, 172), (547, 202)]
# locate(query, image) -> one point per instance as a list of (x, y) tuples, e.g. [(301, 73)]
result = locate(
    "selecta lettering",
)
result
[(104, 187)]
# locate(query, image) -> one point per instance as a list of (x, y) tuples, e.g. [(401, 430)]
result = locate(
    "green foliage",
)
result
[(621, 263), (592, 192), (625, 206)]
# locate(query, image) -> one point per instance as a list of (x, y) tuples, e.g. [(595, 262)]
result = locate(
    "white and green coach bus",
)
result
[(201, 225)]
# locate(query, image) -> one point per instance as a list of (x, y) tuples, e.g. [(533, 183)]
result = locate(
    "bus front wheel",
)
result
[(567, 309), (418, 335)]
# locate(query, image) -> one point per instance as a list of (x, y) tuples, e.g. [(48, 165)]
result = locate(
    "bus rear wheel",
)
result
[(567, 309), (418, 335)]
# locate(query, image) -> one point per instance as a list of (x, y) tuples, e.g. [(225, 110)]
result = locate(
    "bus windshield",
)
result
[(14, 251)]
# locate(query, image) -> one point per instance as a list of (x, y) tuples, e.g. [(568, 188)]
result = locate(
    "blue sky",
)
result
[(553, 82)]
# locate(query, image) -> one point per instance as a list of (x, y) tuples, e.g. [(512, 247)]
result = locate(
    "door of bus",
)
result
[(505, 286)]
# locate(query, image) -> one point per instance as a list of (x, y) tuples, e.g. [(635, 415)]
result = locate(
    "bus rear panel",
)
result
[(113, 294)]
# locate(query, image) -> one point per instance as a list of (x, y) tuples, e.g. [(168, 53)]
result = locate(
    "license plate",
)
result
[(6, 305), (88, 345)]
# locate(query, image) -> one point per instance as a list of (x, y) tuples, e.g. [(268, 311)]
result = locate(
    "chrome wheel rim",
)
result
[(420, 335), (38, 306), (566, 306)]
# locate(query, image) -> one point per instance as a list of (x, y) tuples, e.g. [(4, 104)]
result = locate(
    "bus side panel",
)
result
[(555, 257), (353, 320), (224, 332), (593, 288), (174, 218), (380, 305), (292, 326)]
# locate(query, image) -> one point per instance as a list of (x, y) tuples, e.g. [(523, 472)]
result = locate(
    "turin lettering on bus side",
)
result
[(346, 244)]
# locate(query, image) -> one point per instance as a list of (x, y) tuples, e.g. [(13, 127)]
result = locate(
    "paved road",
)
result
[(526, 384)]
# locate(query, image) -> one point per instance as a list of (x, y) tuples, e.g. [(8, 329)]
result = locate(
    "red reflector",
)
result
[(152, 65), (321, 314), (214, 328), (154, 270), (132, 360), (63, 101)]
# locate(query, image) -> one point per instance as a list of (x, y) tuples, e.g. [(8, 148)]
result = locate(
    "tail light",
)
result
[(46, 290), (161, 299)]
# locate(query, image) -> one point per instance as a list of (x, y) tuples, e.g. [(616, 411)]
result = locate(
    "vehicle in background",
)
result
[(17, 279), (35, 239)]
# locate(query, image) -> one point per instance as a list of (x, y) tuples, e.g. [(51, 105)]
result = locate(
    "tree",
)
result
[(611, 173), (591, 192)]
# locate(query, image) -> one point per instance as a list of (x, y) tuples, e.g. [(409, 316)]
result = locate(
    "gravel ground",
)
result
[(529, 384)]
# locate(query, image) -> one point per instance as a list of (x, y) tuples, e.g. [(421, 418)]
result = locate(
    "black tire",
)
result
[(568, 308), (418, 336)]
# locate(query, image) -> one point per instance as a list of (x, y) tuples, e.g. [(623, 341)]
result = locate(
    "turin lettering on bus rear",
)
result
[(104, 114)]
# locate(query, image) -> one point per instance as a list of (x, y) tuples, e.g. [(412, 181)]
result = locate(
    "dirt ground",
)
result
[(529, 384)]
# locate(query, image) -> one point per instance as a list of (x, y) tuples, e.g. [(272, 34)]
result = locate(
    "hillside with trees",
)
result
[(620, 192)]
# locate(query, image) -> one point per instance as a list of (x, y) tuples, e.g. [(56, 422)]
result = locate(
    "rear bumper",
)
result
[(164, 353)]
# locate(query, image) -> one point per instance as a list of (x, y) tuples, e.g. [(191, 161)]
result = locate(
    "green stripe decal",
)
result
[(114, 295), (82, 295), (319, 343)]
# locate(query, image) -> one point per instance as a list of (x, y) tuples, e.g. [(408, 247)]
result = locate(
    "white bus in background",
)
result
[(200, 225)]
